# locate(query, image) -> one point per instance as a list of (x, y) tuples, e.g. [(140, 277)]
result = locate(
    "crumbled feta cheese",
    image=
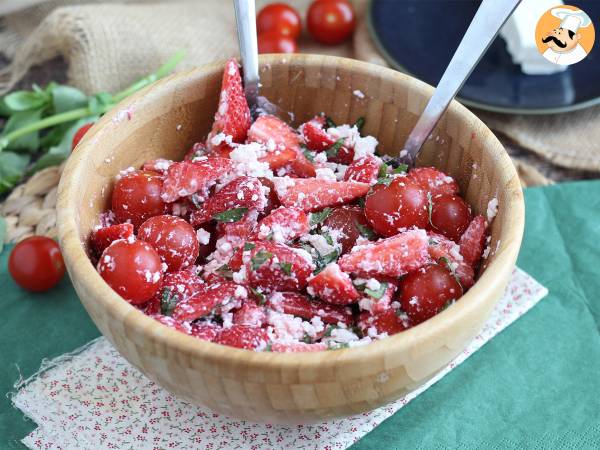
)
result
[(203, 236)]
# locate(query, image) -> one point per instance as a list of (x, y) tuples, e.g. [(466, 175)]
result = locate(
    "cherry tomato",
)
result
[(402, 204), (279, 18), (79, 134), (331, 21), (36, 264), (173, 239), (132, 270), (424, 293), (273, 42), (136, 197), (450, 215), (350, 221), (272, 199)]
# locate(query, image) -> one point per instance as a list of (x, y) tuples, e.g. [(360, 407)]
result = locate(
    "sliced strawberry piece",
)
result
[(394, 256), (333, 286), (302, 167), (239, 231), (173, 323), (440, 248), (233, 114), (103, 237), (198, 149), (301, 306), (272, 199), (283, 225), (277, 267), (205, 331), (312, 194), (382, 303), (386, 321), (281, 141), (363, 170), (159, 165), (315, 137), (186, 178), (473, 239), (250, 314), (434, 181), (208, 299), (243, 336), (278, 158), (296, 347), (175, 287), (243, 192)]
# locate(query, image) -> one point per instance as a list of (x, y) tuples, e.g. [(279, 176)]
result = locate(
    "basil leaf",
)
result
[(328, 238), (448, 265), (2, 232), (66, 98), (383, 171), (249, 246), (402, 168), (260, 258), (308, 155), (168, 301), (306, 339), (335, 148), (261, 297), (268, 348), (317, 217), (329, 123), (365, 231), (378, 293), (361, 202), (385, 181), (12, 169), (29, 142), (25, 100), (329, 329), (232, 215), (321, 261), (225, 271), (286, 267), (360, 123)]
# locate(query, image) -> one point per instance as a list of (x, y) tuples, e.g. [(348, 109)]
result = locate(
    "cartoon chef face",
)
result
[(561, 40)]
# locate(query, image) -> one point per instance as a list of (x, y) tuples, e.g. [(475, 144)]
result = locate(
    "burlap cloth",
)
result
[(109, 45)]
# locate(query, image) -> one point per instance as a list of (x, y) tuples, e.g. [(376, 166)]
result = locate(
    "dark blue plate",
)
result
[(419, 37)]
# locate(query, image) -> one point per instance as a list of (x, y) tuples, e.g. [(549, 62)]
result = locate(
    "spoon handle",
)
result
[(245, 16), (484, 27)]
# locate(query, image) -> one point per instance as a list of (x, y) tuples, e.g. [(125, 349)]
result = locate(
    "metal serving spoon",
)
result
[(484, 27)]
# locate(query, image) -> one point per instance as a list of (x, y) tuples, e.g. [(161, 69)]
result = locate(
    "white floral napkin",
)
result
[(93, 399)]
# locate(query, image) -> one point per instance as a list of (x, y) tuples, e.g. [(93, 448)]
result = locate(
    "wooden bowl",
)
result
[(165, 119)]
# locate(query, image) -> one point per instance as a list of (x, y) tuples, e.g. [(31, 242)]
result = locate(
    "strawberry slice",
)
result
[(302, 167), (317, 139), (333, 286), (312, 194), (296, 347), (473, 239), (175, 287), (384, 302), (233, 114), (239, 231), (448, 253), (363, 170), (283, 225), (186, 178), (103, 237), (250, 314), (198, 149), (159, 165), (434, 181), (243, 192), (301, 306), (277, 267), (243, 336), (394, 256), (205, 331), (386, 321), (173, 323), (208, 299), (281, 141)]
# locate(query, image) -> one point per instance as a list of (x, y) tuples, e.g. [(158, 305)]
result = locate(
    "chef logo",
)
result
[(564, 35)]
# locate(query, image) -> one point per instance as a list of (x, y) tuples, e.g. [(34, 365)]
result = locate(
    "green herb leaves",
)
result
[(286, 267), (231, 215), (317, 217), (168, 301), (259, 295), (375, 293), (365, 231), (335, 148), (12, 169), (261, 257)]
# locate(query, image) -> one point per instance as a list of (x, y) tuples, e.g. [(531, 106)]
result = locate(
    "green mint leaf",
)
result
[(365, 231), (2, 232), (383, 171), (378, 293), (29, 142), (268, 348), (335, 148), (402, 168), (232, 215), (329, 329), (429, 207), (286, 267), (385, 181), (260, 258), (261, 297), (327, 238), (329, 123), (361, 202), (317, 217), (249, 246), (309, 155), (225, 271), (12, 169), (446, 262), (322, 261), (66, 98), (25, 100), (306, 339), (168, 301), (360, 123)]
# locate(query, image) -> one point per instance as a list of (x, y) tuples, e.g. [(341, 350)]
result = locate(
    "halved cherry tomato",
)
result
[(331, 21), (350, 222), (273, 42), (450, 216), (36, 263), (279, 18)]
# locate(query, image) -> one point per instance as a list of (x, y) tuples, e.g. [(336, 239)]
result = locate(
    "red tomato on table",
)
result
[(279, 18), (273, 42), (331, 21), (36, 263)]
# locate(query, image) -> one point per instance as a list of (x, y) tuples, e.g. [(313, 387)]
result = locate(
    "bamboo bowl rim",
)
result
[(194, 348)]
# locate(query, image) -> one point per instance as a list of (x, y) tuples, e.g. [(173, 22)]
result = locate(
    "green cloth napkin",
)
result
[(536, 385)]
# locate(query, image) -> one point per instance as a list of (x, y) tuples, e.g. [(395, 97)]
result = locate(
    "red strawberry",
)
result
[(301, 306), (186, 178), (281, 140), (364, 170), (333, 286), (173, 323), (205, 331), (209, 298), (103, 237), (239, 231), (434, 181), (386, 321), (159, 165), (277, 267), (313, 194), (302, 167), (243, 192), (243, 336), (177, 286), (394, 256), (295, 347), (283, 225), (233, 115), (198, 149), (317, 139), (278, 158), (473, 239), (250, 314), (385, 301), (440, 247)]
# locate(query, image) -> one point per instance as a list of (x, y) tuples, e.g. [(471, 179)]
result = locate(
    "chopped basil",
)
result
[(383, 171), (306, 339), (365, 231), (318, 217), (432, 241), (329, 329), (168, 301), (260, 258), (268, 347), (322, 261), (335, 148), (249, 246), (232, 215), (378, 293), (327, 238), (360, 123), (384, 180), (337, 345), (225, 271), (329, 123), (402, 168), (308, 154), (361, 202), (448, 265), (261, 297), (286, 267)]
